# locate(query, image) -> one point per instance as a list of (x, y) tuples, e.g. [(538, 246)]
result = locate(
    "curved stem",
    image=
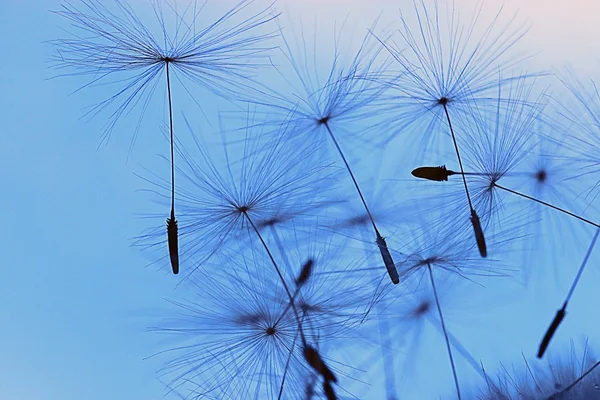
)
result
[(448, 347)]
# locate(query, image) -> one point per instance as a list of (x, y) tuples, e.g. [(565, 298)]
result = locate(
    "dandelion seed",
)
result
[(444, 68), (447, 66), (237, 337), (214, 57), (319, 107)]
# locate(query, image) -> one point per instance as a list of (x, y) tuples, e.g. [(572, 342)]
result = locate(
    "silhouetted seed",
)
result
[(479, 237), (312, 357), (560, 315), (173, 242), (328, 390), (438, 174), (305, 272), (387, 259)]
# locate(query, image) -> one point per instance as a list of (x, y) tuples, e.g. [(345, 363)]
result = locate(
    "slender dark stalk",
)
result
[(460, 164), (386, 342), (287, 365), (383, 248), (562, 210), (437, 302), (479, 236), (172, 235), (560, 314), (279, 245), (281, 278)]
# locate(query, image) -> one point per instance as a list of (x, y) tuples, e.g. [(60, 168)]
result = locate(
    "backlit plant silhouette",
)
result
[(284, 295)]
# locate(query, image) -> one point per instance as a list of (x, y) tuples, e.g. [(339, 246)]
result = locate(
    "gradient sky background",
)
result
[(76, 296)]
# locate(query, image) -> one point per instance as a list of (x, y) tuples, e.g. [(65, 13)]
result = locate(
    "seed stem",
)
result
[(448, 347), (462, 171), (383, 248), (172, 233), (281, 278), (562, 210), (560, 314)]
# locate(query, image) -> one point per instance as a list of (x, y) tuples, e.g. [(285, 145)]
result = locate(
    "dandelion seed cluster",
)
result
[(310, 263)]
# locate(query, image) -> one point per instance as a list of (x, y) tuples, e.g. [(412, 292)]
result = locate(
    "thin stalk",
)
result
[(281, 278), (562, 210), (462, 171), (362, 198), (287, 365), (172, 235), (172, 140), (383, 248), (279, 245), (560, 314), (386, 344), (477, 230), (448, 347)]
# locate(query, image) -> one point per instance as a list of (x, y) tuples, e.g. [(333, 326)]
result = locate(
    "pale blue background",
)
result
[(76, 297)]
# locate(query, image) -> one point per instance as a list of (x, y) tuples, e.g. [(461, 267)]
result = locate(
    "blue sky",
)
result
[(78, 298)]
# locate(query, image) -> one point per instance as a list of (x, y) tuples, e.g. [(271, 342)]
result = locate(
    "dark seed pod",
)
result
[(173, 242), (432, 173), (387, 259), (328, 390), (305, 272), (560, 314), (312, 357), (479, 237)]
